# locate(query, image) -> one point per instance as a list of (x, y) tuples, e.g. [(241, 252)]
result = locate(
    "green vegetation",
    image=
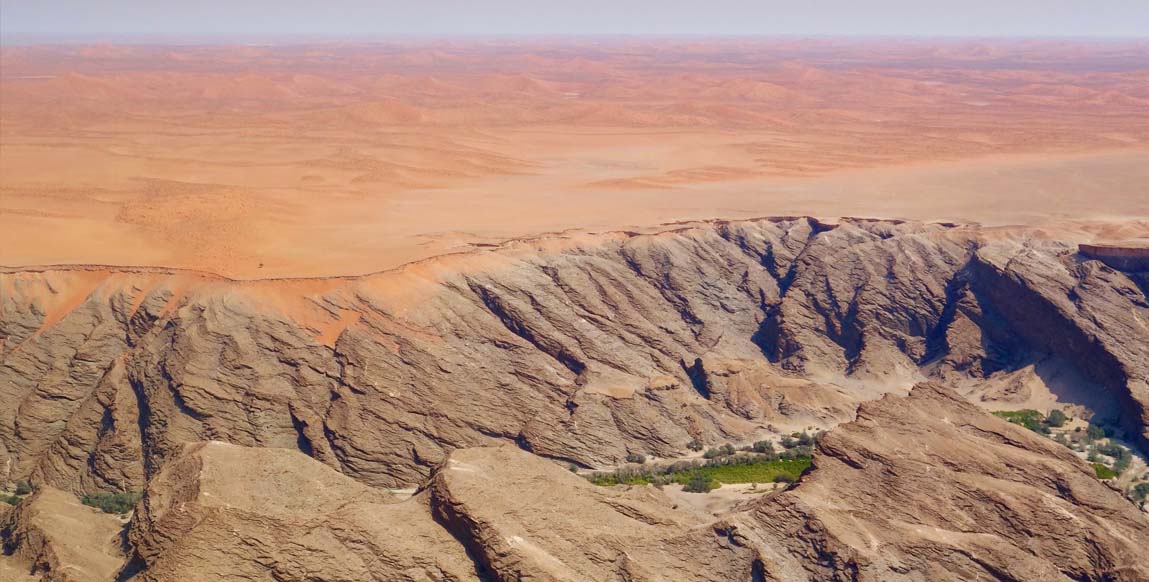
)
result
[(636, 458), (118, 503), (1121, 456), (763, 447), (23, 489), (1094, 432), (1057, 418), (1104, 472), (1141, 492), (727, 469), (699, 483), (723, 451), (1031, 419)]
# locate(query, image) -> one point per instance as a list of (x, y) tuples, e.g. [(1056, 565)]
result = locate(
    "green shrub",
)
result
[(788, 442), (638, 458), (699, 483), (1113, 450), (10, 499), (1094, 432), (118, 503), (1141, 491), (694, 445), (23, 488), (1031, 419), (805, 440), (766, 447), (1120, 465), (1057, 418), (1103, 472), (723, 451)]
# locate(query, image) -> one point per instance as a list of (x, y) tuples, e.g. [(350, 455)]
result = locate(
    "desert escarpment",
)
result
[(924, 486), (1128, 256), (582, 348)]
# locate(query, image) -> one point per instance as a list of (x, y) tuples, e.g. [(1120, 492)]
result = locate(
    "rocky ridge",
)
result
[(578, 348), (922, 487)]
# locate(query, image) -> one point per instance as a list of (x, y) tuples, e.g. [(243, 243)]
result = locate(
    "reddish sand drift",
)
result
[(257, 162)]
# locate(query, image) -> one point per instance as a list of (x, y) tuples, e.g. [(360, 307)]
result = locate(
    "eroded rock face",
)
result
[(924, 487), (225, 512), (929, 487), (51, 537), (526, 519), (581, 349)]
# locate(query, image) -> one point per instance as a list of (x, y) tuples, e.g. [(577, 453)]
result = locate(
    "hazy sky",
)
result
[(382, 18)]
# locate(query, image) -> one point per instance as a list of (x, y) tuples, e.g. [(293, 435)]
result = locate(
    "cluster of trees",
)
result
[(796, 445), (117, 503), (1034, 420), (23, 488), (1140, 492), (682, 472)]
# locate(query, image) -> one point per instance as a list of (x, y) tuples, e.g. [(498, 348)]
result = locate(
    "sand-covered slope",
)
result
[(322, 160)]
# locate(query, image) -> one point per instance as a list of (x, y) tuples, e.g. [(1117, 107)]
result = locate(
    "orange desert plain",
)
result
[(307, 161)]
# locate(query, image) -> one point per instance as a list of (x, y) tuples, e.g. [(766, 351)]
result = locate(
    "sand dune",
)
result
[(339, 159)]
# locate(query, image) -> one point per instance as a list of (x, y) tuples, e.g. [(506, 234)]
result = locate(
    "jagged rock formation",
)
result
[(51, 537), (530, 520), (225, 512), (931, 488), (924, 487), (580, 348)]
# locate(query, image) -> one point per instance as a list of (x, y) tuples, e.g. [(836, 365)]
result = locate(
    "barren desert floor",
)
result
[(307, 161)]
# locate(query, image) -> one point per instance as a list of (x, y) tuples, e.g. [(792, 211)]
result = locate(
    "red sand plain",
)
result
[(319, 160)]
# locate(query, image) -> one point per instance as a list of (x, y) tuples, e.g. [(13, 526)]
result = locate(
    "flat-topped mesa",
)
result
[(1124, 255)]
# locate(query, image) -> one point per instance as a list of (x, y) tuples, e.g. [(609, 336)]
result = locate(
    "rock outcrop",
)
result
[(51, 537), (929, 487), (526, 519), (225, 512), (578, 348), (922, 487), (1127, 256)]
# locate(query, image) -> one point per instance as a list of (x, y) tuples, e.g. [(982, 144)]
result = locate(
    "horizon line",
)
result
[(168, 39)]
